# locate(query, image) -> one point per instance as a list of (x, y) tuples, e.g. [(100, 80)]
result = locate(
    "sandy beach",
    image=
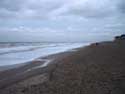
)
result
[(95, 69)]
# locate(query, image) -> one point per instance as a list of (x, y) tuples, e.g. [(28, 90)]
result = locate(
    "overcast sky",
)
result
[(61, 20)]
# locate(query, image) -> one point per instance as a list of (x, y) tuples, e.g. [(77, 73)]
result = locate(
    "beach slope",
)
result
[(95, 69)]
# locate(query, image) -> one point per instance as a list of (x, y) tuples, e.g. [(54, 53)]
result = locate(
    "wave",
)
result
[(22, 54)]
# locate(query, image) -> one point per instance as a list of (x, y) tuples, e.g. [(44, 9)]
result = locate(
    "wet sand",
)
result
[(95, 69)]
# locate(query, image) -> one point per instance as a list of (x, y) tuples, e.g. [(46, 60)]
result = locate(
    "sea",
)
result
[(21, 52)]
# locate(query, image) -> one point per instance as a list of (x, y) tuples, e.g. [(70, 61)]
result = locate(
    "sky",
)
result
[(61, 20)]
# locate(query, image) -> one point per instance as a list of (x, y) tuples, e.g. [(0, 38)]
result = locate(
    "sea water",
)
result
[(17, 53)]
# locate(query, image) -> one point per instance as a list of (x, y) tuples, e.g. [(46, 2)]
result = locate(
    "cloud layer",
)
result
[(52, 18), (47, 8)]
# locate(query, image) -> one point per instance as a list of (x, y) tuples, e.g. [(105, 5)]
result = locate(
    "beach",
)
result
[(94, 69), (62, 47)]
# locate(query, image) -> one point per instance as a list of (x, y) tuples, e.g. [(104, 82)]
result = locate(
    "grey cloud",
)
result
[(88, 9), (121, 6), (46, 8), (11, 5), (27, 8), (42, 5), (93, 9), (5, 13), (89, 13), (10, 8)]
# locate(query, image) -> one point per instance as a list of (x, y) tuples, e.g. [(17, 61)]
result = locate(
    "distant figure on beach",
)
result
[(95, 44)]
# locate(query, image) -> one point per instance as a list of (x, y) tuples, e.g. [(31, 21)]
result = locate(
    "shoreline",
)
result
[(17, 56), (30, 69), (99, 65), (12, 66)]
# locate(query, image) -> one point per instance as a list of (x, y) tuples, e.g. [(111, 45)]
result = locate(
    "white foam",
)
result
[(46, 62), (26, 56)]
